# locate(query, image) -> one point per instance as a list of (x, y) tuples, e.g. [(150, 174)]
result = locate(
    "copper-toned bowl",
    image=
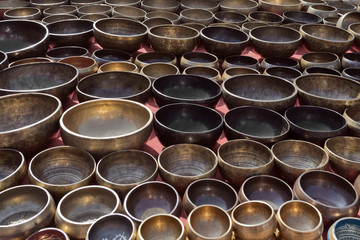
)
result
[(156, 70), (44, 4), (279, 62), (201, 16), (113, 66), (58, 17), (30, 60), (28, 13), (240, 60), (12, 168), (129, 12), (237, 71), (58, 53), (352, 116), (208, 72), (190, 59), (160, 5), (242, 6), (94, 9), (63, 9), (115, 3), (301, 17), (110, 55), (53, 232), (280, 6), (320, 59), (230, 17), (175, 18), (84, 64), (350, 60), (146, 58), (323, 70), (266, 17), (212, 6), (287, 73), (156, 21)]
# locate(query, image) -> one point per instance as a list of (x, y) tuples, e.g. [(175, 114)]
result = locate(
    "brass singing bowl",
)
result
[(237, 71), (352, 73), (299, 220), (190, 59), (156, 21), (230, 17), (12, 168), (350, 60), (347, 19), (301, 17), (120, 33), (346, 227), (81, 207), (326, 38), (323, 70), (201, 16), (266, 17), (161, 226), (242, 6), (279, 62), (10, 4), (79, 3), (4, 60), (246, 27), (339, 200), (29, 60), (210, 191), (124, 170), (25, 207), (242, 158), (129, 12), (28, 39), (114, 3), (94, 16), (147, 58), (354, 29), (56, 233), (175, 39), (160, 5), (293, 157), (223, 24), (307, 3), (118, 67), (94, 9), (175, 18), (58, 17), (44, 4), (25, 13), (112, 226), (330, 20), (328, 91), (254, 220), (320, 59), (63, 9), (271, 92), (352, 116), (287, 73), (156, 70), (240, 61), (37, 119), (209, 222), (61, 169), (357, 184), (102, 56), (85, 65), (223, 41), (281, 6), (58, 53), (212, 6), (207, 72), (151, 198), (106, 125), (323, 10), (182, 164)]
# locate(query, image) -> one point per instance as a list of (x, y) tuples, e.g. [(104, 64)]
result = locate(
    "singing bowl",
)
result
[(350, 60), (94, 16), (242, 158), (114, 3), (307, 3), (156, 70), (56, 233), (210, 191), (147, 58), (330, 20), (10, 4), (102, 56), (320, 59), (266, 188), (175, 18), (190, 59), (281, 6), (347, 227), (347, 19), (323, 70), (301, 17), (120, 33), (23, 38), (182, 164), (240, 61), (331, 194), (112, 226), (279, 62), (58, 53), (266, 17), (129, 12), (202, 16), (124, 170), (61, 169), (151, 198), (4, 60), (328, 91), (43, 4), (212, 6), (242, 6), (59, 17), (156, 21), (12, 168), (354, 29), (352, 116), (287, 73), (183, 88), (299, 220), (37, 119), (326, 38), (63, 9), (79, 3), (323, 10), (81, 207), (175, 39), (237, 71), (94, 9), (106, 125), (160, 5), (246, 27), (230, 17), (25, 13), (260, 91), (118, 66), (352, 73), (188, 123), (208, 72), (294, 157), (223, 41), (209, 222), (254, 220), (25, 207), (84, 64)]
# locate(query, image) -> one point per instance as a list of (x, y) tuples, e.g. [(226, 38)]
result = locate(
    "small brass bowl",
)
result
[(115, 3), (350, 60), (120, 33), (118, 66), (186, 89), (331, 194), (212, 6), (156, 21), (347, 19), (347, 227), (25, 207), (293, 157), (223, 24), (266, 188), (306, 3), (255, 159), (61, 169), (254, 218), (58, 17), (241, 6), (210, 191), (151, 198), (326, 38), (84, 64), (322, 70), (188, 123), (279, 62), (240, 60), (173, 17), (160, 5), (94, 9), (190, 59), (129, 12), (112, 226), (237, 71), (287, 73), (281, 6), (301, 17), (182, 164), (4, 61), (209, 222), (208, 72), (320, 59), (330, 20), (37, 117), (55, 233), (12, 168), (26, 13), (58, 53), (81, 207), (10, 4), (201, 16), (323, 10), (44, 4), (29, 60), (299, 220), (223, 41), (266, 17), (106, 125), (94, 17), (246, 27), (328, 91), (230, 17), (110, 55), (175, 39), (124, 170), (352, 116), (146, 58), (63, 9), (260, 91), (156, 70), (352, 73), (354, 29)]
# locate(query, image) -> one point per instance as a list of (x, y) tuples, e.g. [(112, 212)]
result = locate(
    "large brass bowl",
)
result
[(12, 168), (106, 125)]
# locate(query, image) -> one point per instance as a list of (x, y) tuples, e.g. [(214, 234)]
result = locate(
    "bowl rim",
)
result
[(222, 27), (307, 34), (151, 34), (108, 50), (70, 21), (303, 57), (72, 11), (343, 138), (350, 117), (285, 15), (115, 11), (35, 3), (170, 65), (264, 29), (331, 232), (128, 63), (126, 20), (18, 168), (251, 18), (140, 61), (280, 4), (36, 10), (185, 57), (86, 52), (196, 10)]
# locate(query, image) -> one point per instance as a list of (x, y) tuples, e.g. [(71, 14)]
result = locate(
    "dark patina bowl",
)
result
[(236, 71), (59, 17), (24, 13), (160, 5), (231, 17), (354, 29), (351, 59), (156, 70), (146, 58), (281, 6), (241, 6), (12, 168), (266, 17), (173, 17), (58, 53), (63, 9), (352, 73), (287, 73), (352, 116), (320, 59), (129, 12), (322, 70), (110, 55), (4, 60), (240, 60), (156, 21), (212, 6), (201, 16), (279, 62), (301, 17), (208, 72)]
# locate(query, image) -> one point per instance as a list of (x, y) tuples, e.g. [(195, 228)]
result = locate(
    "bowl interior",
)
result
[(241, 60), (347, 228), (345, 148), (10, 161), (112, 55), (120, 27), (283, 72), (327, 32), (353, 113), (252, 213), (224, 35), (156, 70), (63, 52), (302, 17), (70, 27), (324, 70), (275, 34), (160, 227), (199, 57), (111, 227), (154, 57), (118, 66), (279, 61), (319, 57)]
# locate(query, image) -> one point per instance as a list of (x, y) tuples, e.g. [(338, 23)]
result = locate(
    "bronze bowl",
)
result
[(118, 67), (190, 59), (315, 124), (322, 70), (323, 10), (201, 16), (301, 17), (230, 17), (326, 38), (120, 33), (241, 6), (106, 125), (246, 27), (156, 70), (354, 29), (279, 62), (352, 73), (44, 4), (84, 64), (212, 6), (25, 207), (320, 59), (330, 20), (79, 3), (146, 58), (306, 3), (175, 18), (208, 72), (256, 123), (94, 17), (63, 9), (4, 60), (347, 227), (350, 60), (237, 71), (266, 17), (287, 73), (242, 158), (183, 88), (28, 39), (347, 19), (110, 55), (188, 123), (59, 17), (124, 85), (156, 21), (160, 5), (129, 12), (10, 4), (12, 168), (114, 3), (56, 233), (182, 164), (328, 91), (94, 9), (352, 116), (58, 53), (293, 157), (24, 13), (61, 169), (37, 119), (266, 188), (240, 60), (331, 194), (223, 41), (281, 6), (259, 90)]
